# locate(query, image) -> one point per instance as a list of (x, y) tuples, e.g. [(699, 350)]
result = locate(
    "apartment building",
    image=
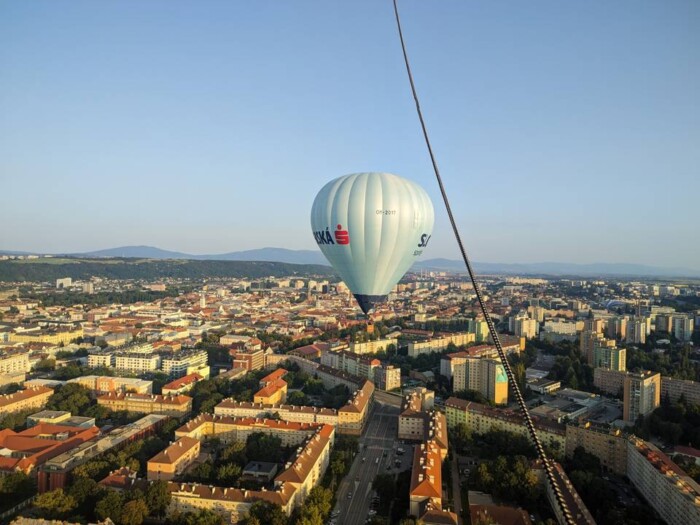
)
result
[(181, 385), (426, 477), (239, 429), (272, 393), (173, 461), (185, 362), (672, 389), (31, 398), (387, 378), (641, 394), (53, 417), (609, 445), (176, 406), (574, 504), (481, 418), (587, 343), (439, 344), (526, 327), (290, 413), (248, 358), (682, 327), (14, 362), (472, 370), (665, 486), (301, 474), (372, 347), (412, 418), (637, 330), (136, 363), (55, 473), (103, 358), (663, 323), (480, 329), (332, 377), (609, 357), (425, 492), (353, 416), (106, 384), (29, 449), (556, 330), (54, 336), (357, 364), (609, 381), (617, 328)]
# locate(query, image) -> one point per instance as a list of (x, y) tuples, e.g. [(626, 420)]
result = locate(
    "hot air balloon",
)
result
[(371, 227)]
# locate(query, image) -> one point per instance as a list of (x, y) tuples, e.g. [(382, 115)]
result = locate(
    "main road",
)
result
[(377, 455)]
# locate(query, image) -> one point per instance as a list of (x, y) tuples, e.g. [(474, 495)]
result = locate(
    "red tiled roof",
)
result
[(183, 381), (175, 451), (27, 393), (274, 376), (426, 475), (271, 388)]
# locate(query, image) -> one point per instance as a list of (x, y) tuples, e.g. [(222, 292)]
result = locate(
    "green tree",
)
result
[(158, 498), (203, 517), (208, 405), (266, 513), (55, 503), (95, 469), (582, 460), (263, 447), (17, 483), (16, 420), (134, 512), (45, 365), (83, 489), (461, 437), (71, 397), (320, 498), (234, 453), (228, 474), (203, 473), (297, 398), (484, 479), (338, 467), (110, 506), (384, 485), (310, 516)]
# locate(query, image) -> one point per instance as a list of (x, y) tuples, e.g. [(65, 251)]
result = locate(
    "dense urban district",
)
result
[(271, 400)]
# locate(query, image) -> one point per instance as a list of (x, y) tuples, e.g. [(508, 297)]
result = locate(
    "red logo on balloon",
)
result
[(342, 236)]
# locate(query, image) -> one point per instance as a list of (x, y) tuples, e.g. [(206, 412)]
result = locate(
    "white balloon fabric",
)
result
[(371, 227)]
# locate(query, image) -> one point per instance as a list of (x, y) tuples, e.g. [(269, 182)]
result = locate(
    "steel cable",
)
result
[(549, 469)]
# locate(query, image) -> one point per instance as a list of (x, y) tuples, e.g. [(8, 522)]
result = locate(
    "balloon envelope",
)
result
[(371, 227)]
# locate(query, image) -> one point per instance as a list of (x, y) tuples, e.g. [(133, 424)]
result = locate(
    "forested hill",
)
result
[(49, 269)]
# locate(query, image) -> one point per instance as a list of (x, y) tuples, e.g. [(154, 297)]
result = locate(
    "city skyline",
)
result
[(570, 138)]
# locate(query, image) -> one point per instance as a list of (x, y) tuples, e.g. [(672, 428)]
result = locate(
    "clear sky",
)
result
[(565, 131)]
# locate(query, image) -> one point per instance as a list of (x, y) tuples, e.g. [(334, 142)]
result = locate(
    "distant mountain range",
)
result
[(284, 255), (261, 254)]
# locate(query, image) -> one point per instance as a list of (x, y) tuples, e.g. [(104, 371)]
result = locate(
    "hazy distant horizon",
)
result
[(426, 257), (565, 133)]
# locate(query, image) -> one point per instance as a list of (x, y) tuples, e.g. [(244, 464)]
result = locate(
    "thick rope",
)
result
[(492, 329)]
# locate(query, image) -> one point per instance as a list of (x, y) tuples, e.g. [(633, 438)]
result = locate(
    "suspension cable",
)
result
[(549, 470)]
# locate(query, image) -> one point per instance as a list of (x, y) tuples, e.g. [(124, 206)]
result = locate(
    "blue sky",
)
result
[(565, 131)]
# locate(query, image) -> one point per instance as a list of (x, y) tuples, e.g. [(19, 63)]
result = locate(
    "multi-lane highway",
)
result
[(377, 455)]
